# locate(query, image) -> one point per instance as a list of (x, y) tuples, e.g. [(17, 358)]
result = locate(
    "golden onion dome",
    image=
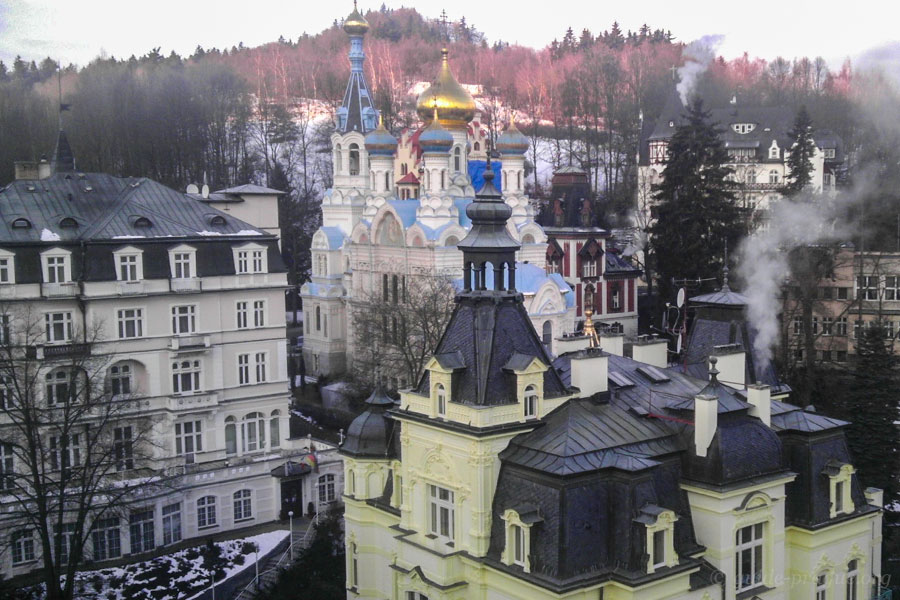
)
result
[(355, 23), (455, 104)]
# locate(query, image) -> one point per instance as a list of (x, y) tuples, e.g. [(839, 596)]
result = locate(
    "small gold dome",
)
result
[(455, 104), (355, 23)]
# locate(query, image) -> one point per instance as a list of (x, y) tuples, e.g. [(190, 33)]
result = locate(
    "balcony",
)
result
[(185, 286), (188, 402), (189, 343), (59, 290), (130, 288), (57, 351)]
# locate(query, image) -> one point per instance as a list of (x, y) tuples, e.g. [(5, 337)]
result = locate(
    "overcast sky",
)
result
[(79, 30)]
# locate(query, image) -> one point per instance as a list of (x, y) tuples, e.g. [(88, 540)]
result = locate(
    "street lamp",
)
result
[(256, 554), (291, 543)]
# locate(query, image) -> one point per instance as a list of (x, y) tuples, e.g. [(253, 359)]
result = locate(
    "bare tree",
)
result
[(398, 327), (76, 445)]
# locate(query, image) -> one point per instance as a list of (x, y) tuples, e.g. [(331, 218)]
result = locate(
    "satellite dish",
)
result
[(678, 344), (680, 300)]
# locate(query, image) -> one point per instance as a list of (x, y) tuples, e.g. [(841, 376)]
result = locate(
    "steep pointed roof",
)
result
[(670, 117), (63, 157)]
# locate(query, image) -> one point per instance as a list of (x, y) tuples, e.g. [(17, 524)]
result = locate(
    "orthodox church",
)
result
[(397, 210), (505, 473)]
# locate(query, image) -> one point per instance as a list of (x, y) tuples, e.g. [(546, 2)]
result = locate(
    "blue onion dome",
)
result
[(512, 141), (370, 433), (435, 138), (355, 23), (380, 141)]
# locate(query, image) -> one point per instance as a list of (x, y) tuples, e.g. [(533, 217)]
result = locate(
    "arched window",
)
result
[(206, 512), (852, 579), (822, 586), (457, 159), (476, 146), (527, 239), (230, 435), (59, 387), (243, 506), (387, 181), (275, 429), (120, 379), (253, 432), (443, 179), (395, 289), (547, 332), (441, 396), (520, 180), (354, 159), (531, 398), (352, 482), (318, 318), (404, 169), (338, 159)]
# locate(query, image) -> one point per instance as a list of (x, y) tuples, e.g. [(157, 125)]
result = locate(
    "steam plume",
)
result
[(697, 56)]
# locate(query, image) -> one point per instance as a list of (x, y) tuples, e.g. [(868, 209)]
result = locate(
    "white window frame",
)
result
[(530, 402), (23, 548), (171, 523), (185, 439), (206, 512), (261, 362), (243, 505), (517, 544), (441, 513), (106, 539), (852, 579), (176, 267), (841, 491), (253, 432), (7, 267), (136, 319), (65, 451), (193, 370), (259, 313), (66, 265), (440, 398), (589, 268), (123, 447), (121, 372), (326, 488), (178, 314), (756, 542), (242, 314), (243, 364), (123, 257), (250, 258), (51, 321), (7, 467)]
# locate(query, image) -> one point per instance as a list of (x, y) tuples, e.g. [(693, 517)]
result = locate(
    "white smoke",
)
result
[(763, 267), (697, 56)]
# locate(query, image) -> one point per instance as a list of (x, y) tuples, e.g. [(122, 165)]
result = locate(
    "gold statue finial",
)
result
[(589, 328)]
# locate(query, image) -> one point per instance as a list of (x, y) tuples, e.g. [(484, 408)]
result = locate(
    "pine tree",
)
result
[(873, 437), (802, 149), (696, 214)]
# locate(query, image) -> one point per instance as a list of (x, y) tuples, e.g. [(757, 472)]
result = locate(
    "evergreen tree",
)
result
[(802, 149), (696, 214), (873, 437)]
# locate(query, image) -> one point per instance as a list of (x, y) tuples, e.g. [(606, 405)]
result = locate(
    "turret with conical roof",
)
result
[(357, 110)]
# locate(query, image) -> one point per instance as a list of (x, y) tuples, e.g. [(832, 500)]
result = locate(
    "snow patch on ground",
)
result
[(188, 577), (49, 236)]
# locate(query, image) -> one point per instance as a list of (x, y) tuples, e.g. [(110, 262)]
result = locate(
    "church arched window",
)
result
[(441, 397), (531, 398), (520, 180), (387, 181), (547, 332), (318, 318), (476, 146), (457, 159), (338, 159), (354, 159)]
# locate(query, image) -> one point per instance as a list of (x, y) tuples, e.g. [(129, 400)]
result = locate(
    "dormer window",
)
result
[(142, 223), (660, 540), (590, 268), (517, 548), (129, 264), (68, 223), (840, 476), (531, 402), (57, 266), (743, 128), (217, 221), (440, 394), (250, 258), (828, 152), (774, 151), (21, 223), (183, 262)]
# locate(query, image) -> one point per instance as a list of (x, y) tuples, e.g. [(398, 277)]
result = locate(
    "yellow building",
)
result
[(505, 473)]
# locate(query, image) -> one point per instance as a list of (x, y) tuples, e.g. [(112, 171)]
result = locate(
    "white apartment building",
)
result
[(183, 304)]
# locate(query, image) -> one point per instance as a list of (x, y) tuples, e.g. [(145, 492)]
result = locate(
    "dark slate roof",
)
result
[(584, 436), (673, 112), (722, 297), (787, 417), (772, 123), (616, 265), (108, 208), (63, 158), (726, 398), (356, 100), (483, 335), (370, 434)]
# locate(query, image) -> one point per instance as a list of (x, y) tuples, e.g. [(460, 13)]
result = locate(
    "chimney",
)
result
[(706, 415), (651, 350), (760, 398), (570, 343), (590, 371), (614, 343), (732, 365)]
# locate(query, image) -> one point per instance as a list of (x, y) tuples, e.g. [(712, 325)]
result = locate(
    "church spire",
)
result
[(357, 111), (488, 241)]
